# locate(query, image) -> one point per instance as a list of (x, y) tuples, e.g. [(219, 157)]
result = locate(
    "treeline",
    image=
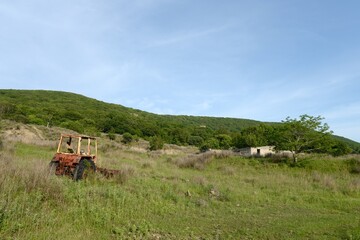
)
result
[(90, 116)]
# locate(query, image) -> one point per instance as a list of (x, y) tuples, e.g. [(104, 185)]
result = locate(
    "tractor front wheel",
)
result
[(83, 168)]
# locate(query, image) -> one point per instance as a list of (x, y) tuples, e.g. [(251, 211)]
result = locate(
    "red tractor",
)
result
[(75, 156)]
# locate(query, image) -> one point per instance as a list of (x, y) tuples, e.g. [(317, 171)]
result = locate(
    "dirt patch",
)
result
[(38, 133), (22, 134), (31, 134)]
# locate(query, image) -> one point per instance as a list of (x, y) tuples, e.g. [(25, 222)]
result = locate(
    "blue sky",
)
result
[(256, 59)]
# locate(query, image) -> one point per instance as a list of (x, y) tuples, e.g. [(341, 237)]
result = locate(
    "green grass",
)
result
[(163, 197)]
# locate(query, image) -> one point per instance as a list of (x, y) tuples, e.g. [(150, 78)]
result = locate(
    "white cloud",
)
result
[(187, 36)]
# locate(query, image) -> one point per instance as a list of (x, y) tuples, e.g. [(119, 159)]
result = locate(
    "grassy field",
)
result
[(179, 196)]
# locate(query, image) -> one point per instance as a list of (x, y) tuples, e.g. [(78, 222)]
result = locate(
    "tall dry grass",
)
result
[(124, 174), (33, 177), (26, 175), (196, 161), (27, 194), (199, 161)]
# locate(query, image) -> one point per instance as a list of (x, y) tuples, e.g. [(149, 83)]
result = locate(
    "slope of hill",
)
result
[(91, 116), (352, 144), (88, 115)]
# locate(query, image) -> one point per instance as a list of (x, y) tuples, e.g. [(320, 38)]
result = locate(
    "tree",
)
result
[(195, 141), (340, 148), (306, 134), (212, 143), (179, 136), (260, 135), (224, 141)]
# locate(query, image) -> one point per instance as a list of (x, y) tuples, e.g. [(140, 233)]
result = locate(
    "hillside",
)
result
[(91, 116), (84, 114)]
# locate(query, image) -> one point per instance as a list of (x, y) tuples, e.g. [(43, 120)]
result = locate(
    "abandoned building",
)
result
[(257, 151)]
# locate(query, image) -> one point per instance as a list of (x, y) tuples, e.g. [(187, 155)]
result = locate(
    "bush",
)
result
[(354, 165), (340, 149), (203, 148), (127, 138), (36, 120), (156, 143), (111, 136)]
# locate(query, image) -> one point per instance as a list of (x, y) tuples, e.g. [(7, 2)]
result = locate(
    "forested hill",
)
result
[(87, 115)]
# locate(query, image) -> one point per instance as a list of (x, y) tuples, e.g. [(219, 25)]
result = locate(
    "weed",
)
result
[(352, 234), (200, 180), (201, 203), (354, 186), (329, 182), (124, 174), (316, 176), (227, 170), (196, 161), (3, 211), (225, 196), (147, 164)]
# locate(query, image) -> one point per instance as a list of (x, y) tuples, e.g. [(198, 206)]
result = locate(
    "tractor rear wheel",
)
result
[(83, 168), (52, 167)]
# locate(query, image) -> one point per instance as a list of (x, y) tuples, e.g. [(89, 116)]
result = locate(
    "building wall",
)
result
[(257, 151)]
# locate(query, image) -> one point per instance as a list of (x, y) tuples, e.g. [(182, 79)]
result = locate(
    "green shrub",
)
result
[(354, 165), (111, 136), (36, 120), (156, 143), (127, 138)]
